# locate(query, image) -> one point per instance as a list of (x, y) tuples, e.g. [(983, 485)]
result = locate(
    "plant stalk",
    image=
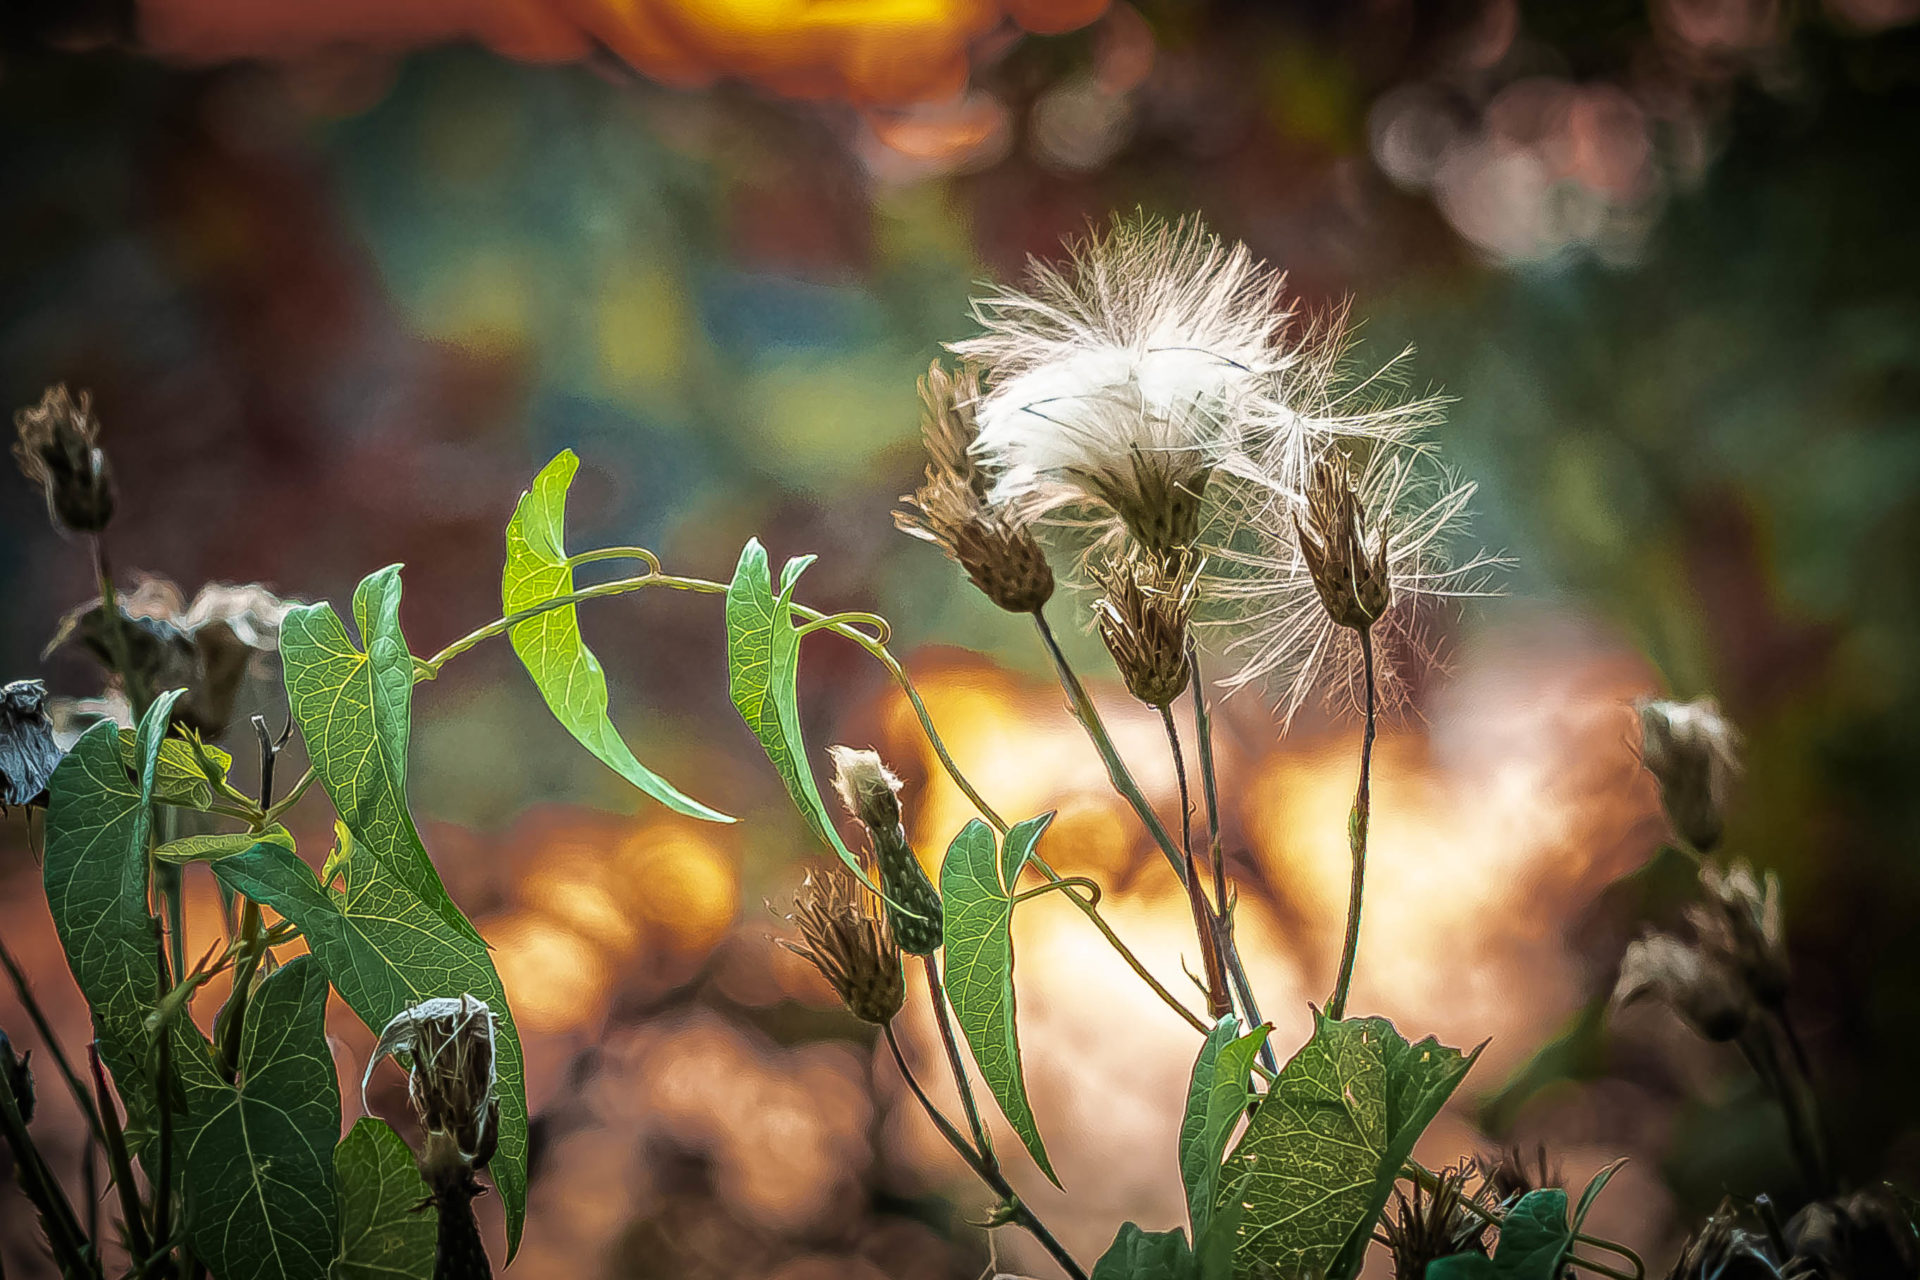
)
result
[(954, 1061), (1205, 925), (1357, 837), (31, 1003)]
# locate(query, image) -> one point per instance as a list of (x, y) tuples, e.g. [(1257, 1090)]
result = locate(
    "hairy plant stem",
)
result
[(955, 1063), (427, 669), (31, 1003), (984, 1167), (1357, 837)]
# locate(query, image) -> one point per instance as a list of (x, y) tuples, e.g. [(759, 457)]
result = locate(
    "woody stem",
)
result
[(1357, 837), (983, 1167)]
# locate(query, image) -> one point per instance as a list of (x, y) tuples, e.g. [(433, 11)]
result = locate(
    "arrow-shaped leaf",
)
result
[(387, 1229), (549, 644), (1217, 1097)]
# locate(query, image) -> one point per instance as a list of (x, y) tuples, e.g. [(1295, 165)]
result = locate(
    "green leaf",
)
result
[(386, 951), (384, 1229), (568, 675), (1305, 1168), (178, 778), (220, 845), (258, 1159), (1147, 1255), (1420, 1079), (354, 710), (1534, 1240), (1217, 1096), (98, 824), (979, 944), (763, 666)]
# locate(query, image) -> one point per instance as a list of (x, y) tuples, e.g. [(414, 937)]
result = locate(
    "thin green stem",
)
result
[(954, 1061), (1063, 884), (1357, 838), (1205, 927), (983, 1167), (132, 1212), (1084, 710)]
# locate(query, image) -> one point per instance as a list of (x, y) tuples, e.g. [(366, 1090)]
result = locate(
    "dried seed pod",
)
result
[(1143, 617), (451, 1077), (1740, 922), (846, 937), (1695, 754), (872, 794), (59, 450), (1421, 1225), (1351, 577), (994, 544), (1707, 994), (1724, 1248)]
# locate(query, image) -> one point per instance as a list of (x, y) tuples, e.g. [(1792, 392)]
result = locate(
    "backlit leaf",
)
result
[(385, 1233), (1217, 1097), (179, 778), (1147, 1255), (550, 646), (220, 845), (979, 953)]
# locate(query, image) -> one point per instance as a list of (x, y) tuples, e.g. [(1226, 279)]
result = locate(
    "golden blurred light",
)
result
[(676, 877), (555, 979)]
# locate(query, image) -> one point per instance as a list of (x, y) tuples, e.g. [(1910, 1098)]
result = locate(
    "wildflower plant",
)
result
[(1152, 388)]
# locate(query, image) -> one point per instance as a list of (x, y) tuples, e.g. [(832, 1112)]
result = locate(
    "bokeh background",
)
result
[(342, 277)]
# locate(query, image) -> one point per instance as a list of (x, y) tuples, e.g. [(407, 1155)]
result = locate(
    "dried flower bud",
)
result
[(1740, 923), (450, 1081), (1508, 1174), (872, 794), (1156, 494), (1724, 1249), (28, 751), (1422, 1225), (59, 450), (993, 544), (1352, 578), (1868, 1233), (844, 935), (1143, 619), (1694, 753), (1709, 996)]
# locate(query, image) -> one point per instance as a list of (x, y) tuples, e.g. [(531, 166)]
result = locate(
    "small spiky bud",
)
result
[(846, 937), (1156, 495), (993, 544), (28, 752), (59, 450), (1351, 577), (451, 1076), (1740, 922), (1725, 1249), (1423, 1224), (1694, 753), (1143, 616), (872, 794), (1707, 994)]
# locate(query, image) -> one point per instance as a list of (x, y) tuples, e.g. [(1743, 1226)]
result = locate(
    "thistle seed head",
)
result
[(993, 544), (1704, 990), (1694, 753), (1740, 922), (1143, 618), (844, 935), (1351, 577), (59, 450), (872, 794), (1423, 1225), (451, 1076)]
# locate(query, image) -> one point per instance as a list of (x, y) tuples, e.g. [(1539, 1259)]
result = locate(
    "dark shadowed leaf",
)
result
[(385, 1233), (1147, 1255), (1533, 1244), (565, 670)]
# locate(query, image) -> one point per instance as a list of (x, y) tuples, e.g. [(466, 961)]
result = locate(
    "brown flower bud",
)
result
[(1708, 995), (994, 545), (28, 752), (872, 794), (1694, 754), (59, 450), (1143, 617), (449, 1041), (845, 937), (1740, 923), (1351, 577), (1422, 1225), (1157, 496)]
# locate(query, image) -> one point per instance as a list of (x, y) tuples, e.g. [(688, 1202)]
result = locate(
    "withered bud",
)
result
[(59, 450), (1143, 616), (1509, 1173), (1421, 1225), (1707, 995), (1740, 922), (1351, 577), (994, 545), (1157, 495), (451, 1076), (28, 752), (1869, 1232), (872, 794), (845, 936), (1724, 1248), (1694, 753)]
